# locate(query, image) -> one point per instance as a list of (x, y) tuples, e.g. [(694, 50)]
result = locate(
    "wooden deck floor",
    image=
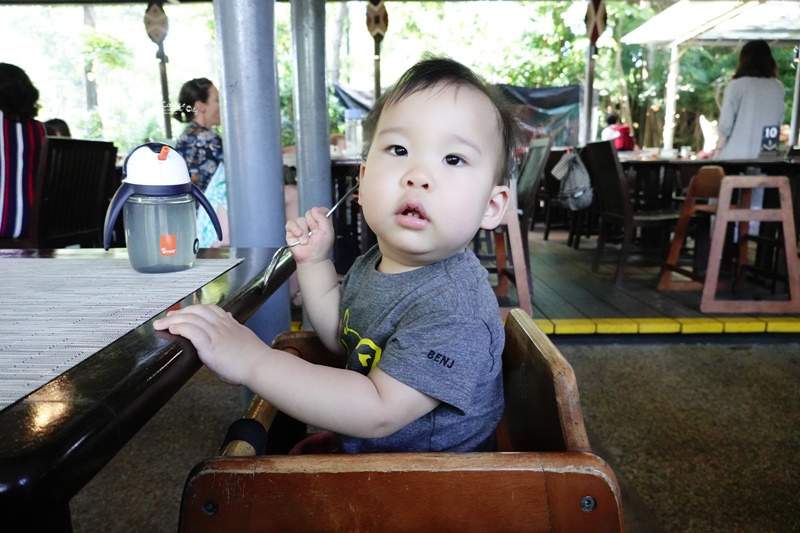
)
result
[(569, 298)]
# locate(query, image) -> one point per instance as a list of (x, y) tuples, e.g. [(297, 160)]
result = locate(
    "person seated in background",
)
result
[(415, 322), (57, 127), (609, 132), (20, 149), (200, 145), (619, 133)]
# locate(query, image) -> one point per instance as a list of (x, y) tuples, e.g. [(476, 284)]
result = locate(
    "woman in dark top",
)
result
[(21, 140), (200, 145)]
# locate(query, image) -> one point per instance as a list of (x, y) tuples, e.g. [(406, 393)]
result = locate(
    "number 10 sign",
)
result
[(769, 138)]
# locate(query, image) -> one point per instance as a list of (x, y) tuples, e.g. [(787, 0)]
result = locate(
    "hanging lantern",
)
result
[(156, 23), (377, 23), (377, 19), (595, 19)]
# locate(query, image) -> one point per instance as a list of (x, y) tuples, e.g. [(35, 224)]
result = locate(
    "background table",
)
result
[(55, 439)]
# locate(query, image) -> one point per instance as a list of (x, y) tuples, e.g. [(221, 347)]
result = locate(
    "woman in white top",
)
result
[(753, 100)]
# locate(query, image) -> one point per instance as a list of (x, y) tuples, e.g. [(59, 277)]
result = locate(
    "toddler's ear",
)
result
[(361, 171), (496, 208)]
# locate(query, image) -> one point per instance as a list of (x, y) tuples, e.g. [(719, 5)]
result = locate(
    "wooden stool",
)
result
[(704, 186), (742, 214)]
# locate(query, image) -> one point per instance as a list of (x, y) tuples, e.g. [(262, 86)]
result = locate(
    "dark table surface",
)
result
[(94, 408), (659, 179)]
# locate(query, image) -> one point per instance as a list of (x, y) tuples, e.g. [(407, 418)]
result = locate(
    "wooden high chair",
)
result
[(701, 194), (544, 479)]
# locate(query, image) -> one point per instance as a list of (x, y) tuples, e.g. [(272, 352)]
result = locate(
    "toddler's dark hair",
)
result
[(433, 70)]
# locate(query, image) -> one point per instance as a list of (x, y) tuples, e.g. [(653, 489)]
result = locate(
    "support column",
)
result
[(795, 121), (312, 128), (588, 129), (251, 137)]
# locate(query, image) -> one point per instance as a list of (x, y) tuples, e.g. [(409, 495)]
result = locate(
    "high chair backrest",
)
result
[(543, 410), (706, 183)]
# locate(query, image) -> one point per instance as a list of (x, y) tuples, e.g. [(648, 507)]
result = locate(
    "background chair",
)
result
[(70, 195), (702, 192), (616, 208), (551, 483), (530, 183), (512, 233), (576, 221)]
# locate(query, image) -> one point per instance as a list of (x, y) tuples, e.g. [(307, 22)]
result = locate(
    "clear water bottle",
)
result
[(160, 232), (354, 128)]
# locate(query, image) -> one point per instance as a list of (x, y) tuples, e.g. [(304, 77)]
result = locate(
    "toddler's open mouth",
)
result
[(412, 215)]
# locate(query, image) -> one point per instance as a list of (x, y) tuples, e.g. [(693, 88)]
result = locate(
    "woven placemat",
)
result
[(54, 313)]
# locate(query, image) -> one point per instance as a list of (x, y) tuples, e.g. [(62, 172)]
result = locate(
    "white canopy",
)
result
[(718, 23), (721, 23)]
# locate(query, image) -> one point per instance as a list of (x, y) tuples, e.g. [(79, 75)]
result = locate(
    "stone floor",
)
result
[(703, 437)]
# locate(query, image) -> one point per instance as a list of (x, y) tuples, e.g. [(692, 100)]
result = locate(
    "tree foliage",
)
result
[(527, 43)]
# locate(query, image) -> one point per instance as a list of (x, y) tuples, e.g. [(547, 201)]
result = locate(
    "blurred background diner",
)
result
[(201, 146), (21, 141)]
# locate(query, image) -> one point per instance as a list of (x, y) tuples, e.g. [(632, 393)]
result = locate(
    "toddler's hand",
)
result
[(226, 347), (317, 245)]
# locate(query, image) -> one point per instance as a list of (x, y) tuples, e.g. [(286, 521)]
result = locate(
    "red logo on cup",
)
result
[(168, 244)]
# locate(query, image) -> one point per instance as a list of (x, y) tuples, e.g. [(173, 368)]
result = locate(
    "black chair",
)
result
[(616, 207), (575, 221), (531, 177), (70, 195), (528, 187)]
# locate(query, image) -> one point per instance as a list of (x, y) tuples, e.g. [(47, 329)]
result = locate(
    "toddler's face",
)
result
[(428, 183)]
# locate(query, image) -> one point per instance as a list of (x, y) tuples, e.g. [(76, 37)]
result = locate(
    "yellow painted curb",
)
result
[(781, 324), (700, 325), (616, 325), (573, 326), (546, 325), (743, 325), (658, 325)]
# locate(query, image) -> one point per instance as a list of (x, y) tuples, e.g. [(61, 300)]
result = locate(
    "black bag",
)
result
[(576, 187)]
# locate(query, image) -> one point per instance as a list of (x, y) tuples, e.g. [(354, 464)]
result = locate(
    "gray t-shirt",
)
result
[(748, 105), (438, 330)]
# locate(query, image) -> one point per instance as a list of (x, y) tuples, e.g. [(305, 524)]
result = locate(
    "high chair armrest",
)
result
[(307, 346)]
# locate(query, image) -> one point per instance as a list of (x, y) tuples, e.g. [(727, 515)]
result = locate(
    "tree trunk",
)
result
[(336, 42), (88, 74), (622, 88)]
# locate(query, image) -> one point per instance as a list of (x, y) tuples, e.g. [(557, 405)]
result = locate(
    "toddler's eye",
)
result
[(397, 150), (453, 160)]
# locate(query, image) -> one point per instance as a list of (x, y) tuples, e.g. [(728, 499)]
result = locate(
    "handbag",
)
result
[(576, 187)]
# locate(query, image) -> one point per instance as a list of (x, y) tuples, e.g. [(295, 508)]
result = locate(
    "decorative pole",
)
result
[(157, 25), (377, 23), (595, 25)]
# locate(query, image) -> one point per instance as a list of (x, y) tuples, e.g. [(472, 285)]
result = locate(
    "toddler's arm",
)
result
[(336, 399), (316, 273)]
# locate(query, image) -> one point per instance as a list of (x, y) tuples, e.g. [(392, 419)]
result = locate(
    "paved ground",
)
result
[(703, 436)]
